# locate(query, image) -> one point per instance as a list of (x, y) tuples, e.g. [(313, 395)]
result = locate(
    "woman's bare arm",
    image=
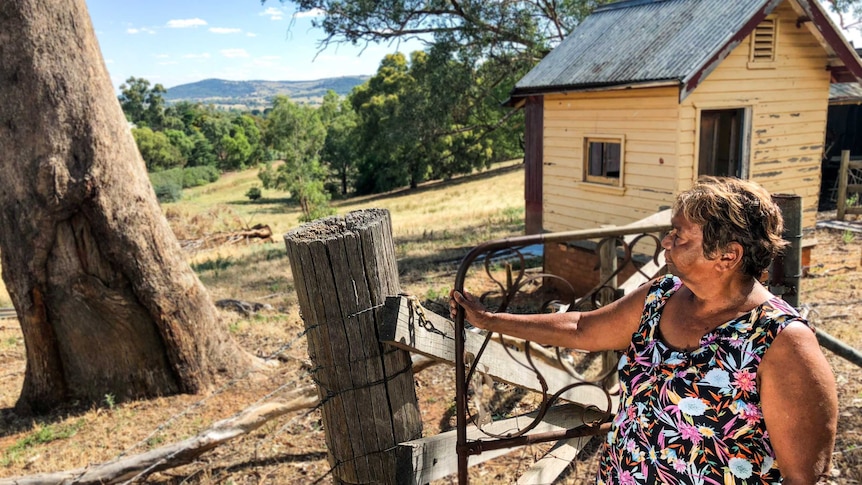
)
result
[(608, 328), (800, 404)]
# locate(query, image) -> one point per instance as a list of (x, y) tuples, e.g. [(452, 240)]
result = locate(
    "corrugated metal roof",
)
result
[(845, 93), (638, 41)]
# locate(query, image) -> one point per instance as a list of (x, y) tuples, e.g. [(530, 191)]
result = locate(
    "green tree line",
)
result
[(433, 114), (402, 127)]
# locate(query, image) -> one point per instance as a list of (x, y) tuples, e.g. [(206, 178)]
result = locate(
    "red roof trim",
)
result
[(841, 74), (833, 37)]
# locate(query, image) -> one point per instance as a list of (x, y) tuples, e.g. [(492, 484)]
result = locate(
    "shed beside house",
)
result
[(644, 96), (843, 132)]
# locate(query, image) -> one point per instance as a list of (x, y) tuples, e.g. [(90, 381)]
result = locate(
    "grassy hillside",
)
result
[(437, 222), (248, 95)]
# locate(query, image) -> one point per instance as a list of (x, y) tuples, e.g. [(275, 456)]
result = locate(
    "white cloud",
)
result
[(163, 56), (224, 30), (205, 55), (140, 30), (315, 12), (109, 61), (232, 53), (184, 23), (266, 61), (250, 34), (273, 13), (168, 63)]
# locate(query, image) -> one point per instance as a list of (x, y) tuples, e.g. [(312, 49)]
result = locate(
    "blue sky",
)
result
[(175, 42)]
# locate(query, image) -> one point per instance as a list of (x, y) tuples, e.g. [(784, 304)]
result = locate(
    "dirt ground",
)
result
[(291, 449)]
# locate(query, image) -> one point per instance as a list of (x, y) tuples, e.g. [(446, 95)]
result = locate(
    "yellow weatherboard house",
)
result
[(644, 96)]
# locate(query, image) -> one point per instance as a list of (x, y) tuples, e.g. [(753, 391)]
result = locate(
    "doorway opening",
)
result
[(722, 143)]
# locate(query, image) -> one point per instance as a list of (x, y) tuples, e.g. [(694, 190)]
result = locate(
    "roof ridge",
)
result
[(624, 4)]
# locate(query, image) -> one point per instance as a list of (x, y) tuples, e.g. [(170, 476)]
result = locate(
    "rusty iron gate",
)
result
[(620, 251)]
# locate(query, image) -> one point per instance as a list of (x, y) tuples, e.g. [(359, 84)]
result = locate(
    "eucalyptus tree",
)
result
[(485, 45), (143, 105), (412, 127), (297, 134), (157, 149), (105, 297), (492, 26), (849, 13), (339, 152)]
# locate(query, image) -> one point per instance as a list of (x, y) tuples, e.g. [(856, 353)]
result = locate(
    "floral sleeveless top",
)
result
[(693, 417)]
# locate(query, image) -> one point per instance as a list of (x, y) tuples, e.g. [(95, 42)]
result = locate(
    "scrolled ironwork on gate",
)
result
[(619, 251)]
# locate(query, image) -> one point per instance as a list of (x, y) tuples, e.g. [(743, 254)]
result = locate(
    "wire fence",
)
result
[(145, 443), (226, 387), (328, 394)]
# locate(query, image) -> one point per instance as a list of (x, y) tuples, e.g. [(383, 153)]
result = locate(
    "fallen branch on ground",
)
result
[(140, 466), (136, 468), (260, 232), (244, 307)]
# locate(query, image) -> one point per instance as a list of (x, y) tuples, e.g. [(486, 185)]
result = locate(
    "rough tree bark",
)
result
[(106, 301)]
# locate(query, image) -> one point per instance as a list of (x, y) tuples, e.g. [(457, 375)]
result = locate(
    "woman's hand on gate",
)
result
[(474, 312)]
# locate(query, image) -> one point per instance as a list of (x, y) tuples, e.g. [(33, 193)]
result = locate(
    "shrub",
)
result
[(253, 193), (169, 184), (197, 176), (168, 192)]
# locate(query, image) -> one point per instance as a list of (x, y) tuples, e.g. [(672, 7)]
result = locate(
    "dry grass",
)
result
[(434, 226)]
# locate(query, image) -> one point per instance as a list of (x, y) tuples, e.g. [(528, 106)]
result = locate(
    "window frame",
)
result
[(746, 135), (603, 179)]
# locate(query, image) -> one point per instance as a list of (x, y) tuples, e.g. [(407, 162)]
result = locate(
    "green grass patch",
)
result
[(216, 265), (43, 435)]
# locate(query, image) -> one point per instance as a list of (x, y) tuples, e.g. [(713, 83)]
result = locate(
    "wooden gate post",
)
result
[(343, 269), (843, 172)]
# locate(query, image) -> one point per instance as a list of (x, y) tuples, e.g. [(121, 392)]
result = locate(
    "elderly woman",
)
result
[(722, 382)]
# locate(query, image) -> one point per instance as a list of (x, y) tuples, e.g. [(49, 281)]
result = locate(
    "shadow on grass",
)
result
[(454, 245), (272, 252), (282, 205), (273, 460), (46, 427), (219, 264), (283, 201), (430, 186)]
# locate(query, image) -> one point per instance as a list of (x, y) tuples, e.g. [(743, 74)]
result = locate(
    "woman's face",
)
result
[(684, 248)]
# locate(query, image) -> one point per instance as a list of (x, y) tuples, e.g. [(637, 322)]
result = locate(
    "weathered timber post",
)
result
[(843, 172), (343, 269), (608, 268), (786, 271)]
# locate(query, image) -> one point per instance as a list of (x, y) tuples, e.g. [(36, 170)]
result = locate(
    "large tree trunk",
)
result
[(107, 302)]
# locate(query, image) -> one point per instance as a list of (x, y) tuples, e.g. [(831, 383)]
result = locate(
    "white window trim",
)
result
[(600, 180), (747, 129)]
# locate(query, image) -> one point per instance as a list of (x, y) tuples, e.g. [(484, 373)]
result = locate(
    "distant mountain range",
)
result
[(249, 95)]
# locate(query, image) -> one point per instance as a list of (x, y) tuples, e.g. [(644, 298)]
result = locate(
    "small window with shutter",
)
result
[(763, 41), (603, 160)]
